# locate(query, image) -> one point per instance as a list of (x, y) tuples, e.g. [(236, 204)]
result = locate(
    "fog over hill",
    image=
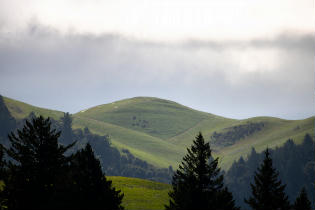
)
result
[(233, 78)]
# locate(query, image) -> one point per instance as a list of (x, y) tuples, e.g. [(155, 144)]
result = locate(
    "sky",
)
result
[(234, 58)]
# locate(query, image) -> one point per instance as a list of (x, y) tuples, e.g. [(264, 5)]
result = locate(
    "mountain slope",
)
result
[(159, 131), (154, 150), (20, 110)]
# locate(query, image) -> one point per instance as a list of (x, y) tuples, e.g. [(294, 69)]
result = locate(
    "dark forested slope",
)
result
[(295, 164)]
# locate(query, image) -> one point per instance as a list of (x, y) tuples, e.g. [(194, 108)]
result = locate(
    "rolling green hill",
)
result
[(159, 131), (20, 110), (155, 117), (141, 194)]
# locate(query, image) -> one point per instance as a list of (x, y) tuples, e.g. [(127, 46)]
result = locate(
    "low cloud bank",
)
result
[(237, 79)]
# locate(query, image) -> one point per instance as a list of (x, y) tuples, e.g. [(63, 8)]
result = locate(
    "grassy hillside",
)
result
[(159, 131), (177, 126), (274, 133), (154, 150), (156, 117), (141, 194), (21, 110)]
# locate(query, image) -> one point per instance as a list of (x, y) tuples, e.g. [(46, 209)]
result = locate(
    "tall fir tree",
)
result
[(198, 183), (302, 202), (267, 192), (93, 190), (38, 168), (66, 129)]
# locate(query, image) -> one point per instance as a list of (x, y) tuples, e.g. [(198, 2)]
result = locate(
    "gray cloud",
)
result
[(284, 41), (237, 79)]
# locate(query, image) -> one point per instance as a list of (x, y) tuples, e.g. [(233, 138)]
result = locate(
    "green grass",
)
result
[(141, 194), (20, 110), (156, 151), (275, 134), (159, 131), (178, 125), (156, 117)]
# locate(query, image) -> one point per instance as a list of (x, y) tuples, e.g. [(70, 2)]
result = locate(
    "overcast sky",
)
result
[(236, 59)]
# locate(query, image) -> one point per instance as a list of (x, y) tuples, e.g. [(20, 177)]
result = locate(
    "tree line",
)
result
[(199, 184), (295, 163)]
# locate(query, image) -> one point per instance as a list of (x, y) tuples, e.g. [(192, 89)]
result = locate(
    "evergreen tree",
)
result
[(38, 170), (93, 191), (302, 202), (66, 129), (31, 116), (253, 159), (308, 147), (198, 184), (268, 191)]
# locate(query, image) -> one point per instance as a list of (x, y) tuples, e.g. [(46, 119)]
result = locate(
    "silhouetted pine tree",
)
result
[(38, 168), (66, 129), (198, 184), (308, 147), (253, 159), (302, 202), (93, 191), (267, 191)]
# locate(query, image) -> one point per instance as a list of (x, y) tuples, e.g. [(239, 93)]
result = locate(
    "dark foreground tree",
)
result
[(41, 176), (198, 184), (302, 202), (267, 191), (93, 191), (38, 177)]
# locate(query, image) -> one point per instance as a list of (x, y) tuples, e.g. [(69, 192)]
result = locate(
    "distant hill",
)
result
[(20, 110), (141, 194), (159, 131)]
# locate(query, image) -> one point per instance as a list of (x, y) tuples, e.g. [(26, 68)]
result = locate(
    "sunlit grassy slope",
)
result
[(21, 110), (141, 194), (177, 125), (156, 117), (159, 131), (150, 148)]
